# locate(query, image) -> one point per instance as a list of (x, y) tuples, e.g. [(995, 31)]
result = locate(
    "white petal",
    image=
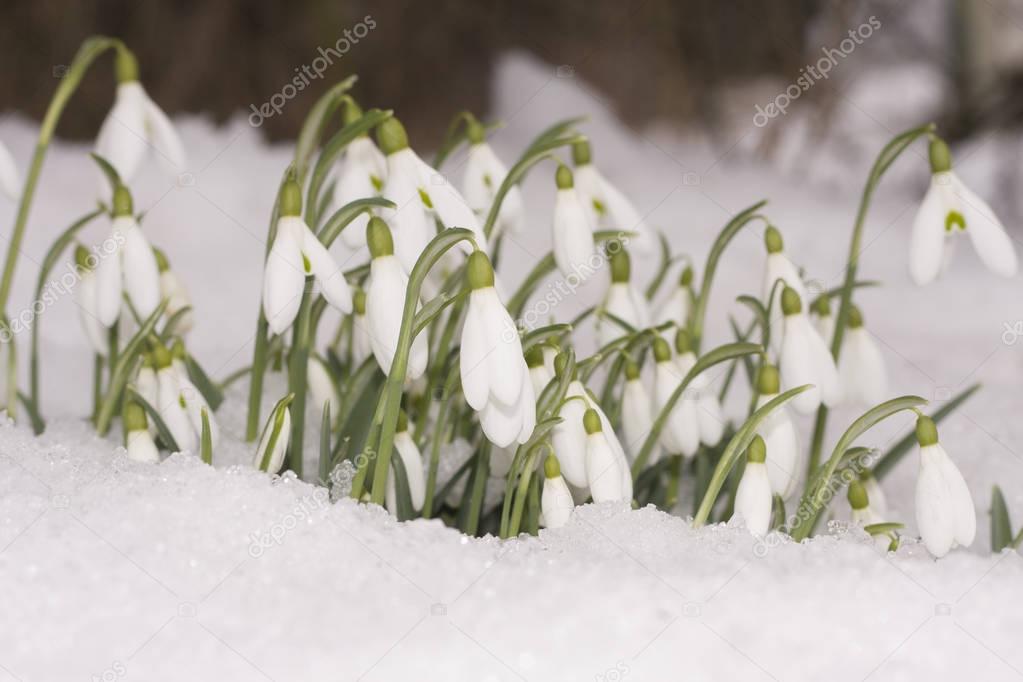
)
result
[(141, 447), (675, 308), (10, 182), (783, 452), (569, 437), (284, 278), (501, 423), (556, 502), (753, 499), (779, 266), (637, 418), (935, 516), (413, 461), (411, 226), (328, 274), (573, 233), (141, 274), (710, 416), (504, 360), (321, 387), (539, 376), (448, 203), (280, 447), (987, 233), (861, 369), (798, 366), (123, 138), (168, 404), (603, 470), (964, 515), (928, 238), (825, 372), (622, 215), (475, 373), (362, 347), (85, 297), (170, 152), (195, 403)]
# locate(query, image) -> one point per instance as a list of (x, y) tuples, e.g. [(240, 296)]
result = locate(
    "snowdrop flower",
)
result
[(805, 359), (539, 374), (944, 508), (191, 397), (484, 174), (605, 203), (296, 254), (130, 267), (784, 457), (135, 124), (779, 267), (385, 300), (864, 515), (878, 500), (419, 193), (679, 303), (137, 440), (556, 501), (860, 366), (10, 183), (170, 403), (710, 418), (950, 207), (622, 300), (362, 346), (637, 414), (362, 175), (604, 475), (174, 292), (147, 386), (753, 497), (85, 299), (573, 229), (823, 320), (273, 443), (412, 459), (495, 379), (321, 385), (681, 433)]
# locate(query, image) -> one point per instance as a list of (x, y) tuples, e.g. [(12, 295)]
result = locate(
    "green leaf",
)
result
[(402, 494), (325, 449), (206, 439), (316, 123), (108, 170), (662, 271), (342, 217), (1001, 527), (543, 334), (166, 437), (33, 414), (197, 375), (555, 131), (883, 528), (170, 330)]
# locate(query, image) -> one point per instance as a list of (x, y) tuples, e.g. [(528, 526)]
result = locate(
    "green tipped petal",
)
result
[(123, 205), (290, 199), (83, 258), (134, 417)]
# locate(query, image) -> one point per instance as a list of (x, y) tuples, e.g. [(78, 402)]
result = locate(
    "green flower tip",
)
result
[(134, 417), (662, 351), (359, 302), (926, 431), (686, 279), (822, 306), (161, 356), (83, 259), (855, 317), (123, 205), (756, 453), (378, 238), (581, 154), (768, 382), (551, 466), (560, 363), (591, 422), (391, 136), (290, 198), (563, 177), (479, 271), (352, 112), (791, 304), (631, 370), (857, 496), (620, 265), (161, 260), (941, 157), (126, 66), (475, 131), (534, 357), (682, 342), (402, 422), (773, 240)]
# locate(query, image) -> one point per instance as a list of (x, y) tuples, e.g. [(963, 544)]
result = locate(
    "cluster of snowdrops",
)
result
[(433, 401)]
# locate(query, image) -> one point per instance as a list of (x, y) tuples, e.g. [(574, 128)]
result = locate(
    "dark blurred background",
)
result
[(653, 59)]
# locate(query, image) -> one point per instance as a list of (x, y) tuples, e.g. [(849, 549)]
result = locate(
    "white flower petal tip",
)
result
[(134, 126), (623, 301), (753, 497), (484, 174), (385, 301), (945, 514), (604, 463), (556, 501), (784, 456), (862, 371), (10, 182), (574, 247), (805, 359), (273, 443)]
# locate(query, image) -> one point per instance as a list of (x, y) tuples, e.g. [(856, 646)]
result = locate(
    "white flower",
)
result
[(412, 459), (126, 265), (419, 193), (823, 320), (779, 267), (484, 174), (135, 125), (171, 406), (385, 301), (556, 501), (174, 292), (147, 386), (273, 443), (676, 308), (137, 440), (622, 300), (753, 497), (950, 207), (784, 457), (539, 374), (710, 418), (495, 379), (10, 182), (607, 205), (805, 359), (860, 366), (295, 254), (945, 514), (878, 500), (192, 397), (573, 230), (362, 344), (85, 299), (321, 386), (363, 171), (604, 466), (864, 515), (637, 414), (681, 433)]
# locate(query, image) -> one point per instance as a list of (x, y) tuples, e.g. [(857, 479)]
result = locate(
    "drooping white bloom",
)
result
[(412, 460), (945, 515), (85, 299), (681, 433), (539, 374), (784, 456), (363, 172), (805, 359), (864, 514), (385, 301), (137, 440), (823, 320), (126, 266), (297, 253), (495, 379), (574, 246), (710, 418), (676, 308), (273, 443), (607, 206), (362, 344), (136, 125), (192, 398), (604, 475), (950, 207), (321, 386), (147, 386), (637, 414), (420, 194), (878, 500), (10, 182), (484, 173), (779, 267), (174, 292), (556, 501), (622, 300), (753, 497), (171, 405), (860, 365)]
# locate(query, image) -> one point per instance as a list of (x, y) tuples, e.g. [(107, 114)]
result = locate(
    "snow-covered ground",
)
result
[(115, 570)]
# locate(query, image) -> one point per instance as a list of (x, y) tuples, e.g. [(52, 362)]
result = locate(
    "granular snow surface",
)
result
[(116, 570)]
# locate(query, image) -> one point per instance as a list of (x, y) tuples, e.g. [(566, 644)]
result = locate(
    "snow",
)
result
[(116, 570)]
